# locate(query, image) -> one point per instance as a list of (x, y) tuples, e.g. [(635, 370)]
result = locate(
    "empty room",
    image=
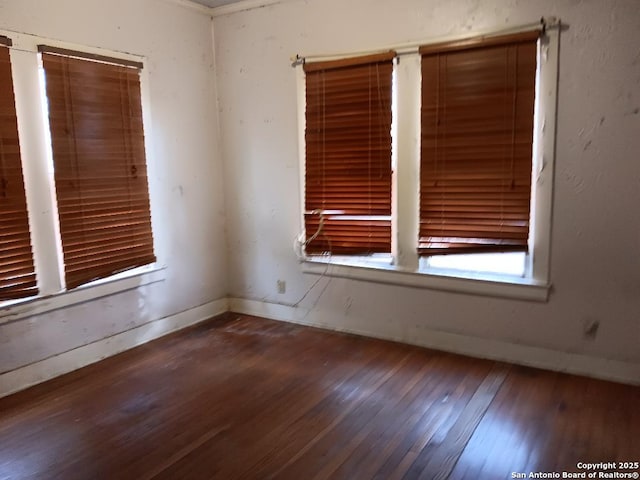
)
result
[(319, 239)]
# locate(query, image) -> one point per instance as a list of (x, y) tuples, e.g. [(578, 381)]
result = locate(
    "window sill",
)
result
[(10, 312), (446, 280)]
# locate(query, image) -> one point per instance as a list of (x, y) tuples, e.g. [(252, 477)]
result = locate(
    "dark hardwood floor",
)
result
[(246, 398)]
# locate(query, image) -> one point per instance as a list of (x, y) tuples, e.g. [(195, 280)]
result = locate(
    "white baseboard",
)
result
[(574, 363), (24, 377), (606, 369)]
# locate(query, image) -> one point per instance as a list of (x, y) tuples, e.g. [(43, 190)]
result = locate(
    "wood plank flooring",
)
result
[(241, 397)]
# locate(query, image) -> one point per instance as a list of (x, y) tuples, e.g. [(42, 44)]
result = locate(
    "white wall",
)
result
[(595, 267), (188, 200)]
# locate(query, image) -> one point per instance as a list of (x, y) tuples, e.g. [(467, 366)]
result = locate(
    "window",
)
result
[(348, 155), (17, 271), (97, 139), (471, 186), (84, 165), (476, 150)]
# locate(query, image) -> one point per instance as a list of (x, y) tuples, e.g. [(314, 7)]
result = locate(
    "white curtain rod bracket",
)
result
[(297, 60)]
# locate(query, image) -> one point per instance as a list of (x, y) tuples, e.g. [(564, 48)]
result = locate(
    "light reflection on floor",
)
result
[(500, 445)]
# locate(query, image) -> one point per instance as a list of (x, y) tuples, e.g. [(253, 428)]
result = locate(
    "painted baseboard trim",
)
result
[(578, 364), (547, 359), (38, 372)]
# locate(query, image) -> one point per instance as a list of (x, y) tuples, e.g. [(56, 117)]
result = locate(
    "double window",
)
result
[(451, 176), (99, 212)]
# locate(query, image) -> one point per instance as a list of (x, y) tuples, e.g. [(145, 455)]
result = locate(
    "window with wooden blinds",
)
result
[(17, 273), (476, 153), (95, 117), (348, 155)]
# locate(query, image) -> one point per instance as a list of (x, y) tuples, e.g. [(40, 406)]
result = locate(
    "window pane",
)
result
[(511, 263), (97, 138), (17, 273)]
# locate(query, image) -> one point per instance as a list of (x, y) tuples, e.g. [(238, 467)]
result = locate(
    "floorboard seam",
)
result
[(445, 456)]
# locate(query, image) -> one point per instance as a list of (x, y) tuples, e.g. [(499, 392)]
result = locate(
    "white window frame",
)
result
[(403, 266), (35, 150)]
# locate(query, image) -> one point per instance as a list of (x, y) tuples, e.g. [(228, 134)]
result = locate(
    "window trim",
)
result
[(40, 188), (405, 271), (461, 282)]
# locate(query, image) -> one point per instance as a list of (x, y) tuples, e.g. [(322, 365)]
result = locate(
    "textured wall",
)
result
[(188, 203), (595, 267)]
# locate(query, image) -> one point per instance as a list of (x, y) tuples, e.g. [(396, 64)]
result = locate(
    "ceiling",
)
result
[(216, 3)]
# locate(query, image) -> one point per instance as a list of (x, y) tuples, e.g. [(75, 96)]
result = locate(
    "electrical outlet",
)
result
[(282, 286)]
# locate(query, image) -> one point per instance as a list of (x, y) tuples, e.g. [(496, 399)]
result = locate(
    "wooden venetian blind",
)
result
[(348, 155), (17, 273), (477, 134), (95, 116)]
